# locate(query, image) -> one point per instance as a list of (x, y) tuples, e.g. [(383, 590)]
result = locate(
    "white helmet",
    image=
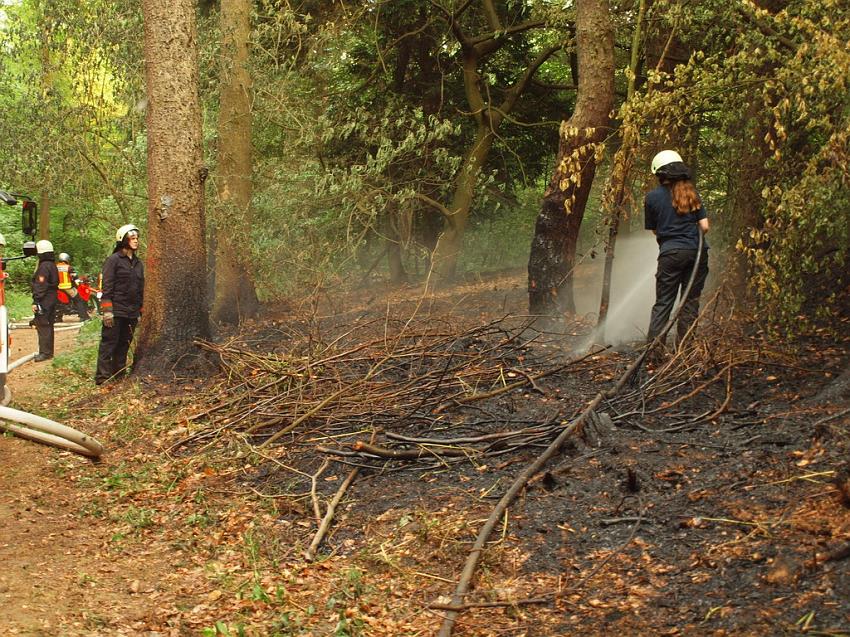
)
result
[(123, 230), (43, 246), (663, 158), (64, 257)]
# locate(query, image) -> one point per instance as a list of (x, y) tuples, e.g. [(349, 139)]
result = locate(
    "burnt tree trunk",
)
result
[(553, 248), (235, 295), (175, 291)]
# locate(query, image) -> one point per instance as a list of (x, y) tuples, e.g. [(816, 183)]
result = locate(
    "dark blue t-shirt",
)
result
[(672, 230)]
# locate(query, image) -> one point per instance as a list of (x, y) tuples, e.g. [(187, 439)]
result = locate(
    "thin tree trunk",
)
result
[(44, 215), (553, 248), (394, 241), (175, 291), (235, 295), (450, 242), (619, 175), (488, 118)]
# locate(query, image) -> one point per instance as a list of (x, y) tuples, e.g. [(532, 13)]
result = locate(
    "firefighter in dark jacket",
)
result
[(675, 214), (45, 282), (121, 303)]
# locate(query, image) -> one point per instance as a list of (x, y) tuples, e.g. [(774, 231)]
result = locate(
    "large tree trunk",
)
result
[(175, 290), (235, 296), (553, 248)]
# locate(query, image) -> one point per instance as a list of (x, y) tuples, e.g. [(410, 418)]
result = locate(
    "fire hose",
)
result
[(575, 426), (49, 432), (33, 427)]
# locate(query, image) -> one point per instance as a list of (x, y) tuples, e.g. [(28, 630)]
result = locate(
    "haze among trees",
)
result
[(368, 397), (309, 144)]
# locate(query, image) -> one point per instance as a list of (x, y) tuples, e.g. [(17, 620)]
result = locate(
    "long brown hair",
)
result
[(684, 195)]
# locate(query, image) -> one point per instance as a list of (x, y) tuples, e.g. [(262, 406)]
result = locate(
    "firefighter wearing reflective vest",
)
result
[(121, 303), (68, 284), (63, 265)]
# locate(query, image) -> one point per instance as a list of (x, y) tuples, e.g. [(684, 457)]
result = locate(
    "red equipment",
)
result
[(78, 304)]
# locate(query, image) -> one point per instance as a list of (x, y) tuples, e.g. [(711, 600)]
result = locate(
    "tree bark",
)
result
[(447, 250), (553, 248), (235, 295), (488, 118), (619, 175), (175, 292)]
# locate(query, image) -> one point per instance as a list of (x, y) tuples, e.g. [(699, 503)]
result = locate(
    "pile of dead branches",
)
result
[(695, 383), (411, 377), (429, 391)]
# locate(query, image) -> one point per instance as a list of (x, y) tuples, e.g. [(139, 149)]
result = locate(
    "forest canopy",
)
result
[(396, 139)]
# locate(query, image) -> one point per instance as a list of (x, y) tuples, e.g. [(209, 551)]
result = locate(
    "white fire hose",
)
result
[(31, 426), (49, 432)]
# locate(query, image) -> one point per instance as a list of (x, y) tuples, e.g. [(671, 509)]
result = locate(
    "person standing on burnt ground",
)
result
[(121, 303), (675, 214), (45, 283)]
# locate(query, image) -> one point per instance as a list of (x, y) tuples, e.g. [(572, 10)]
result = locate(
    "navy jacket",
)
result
[(123, 286), (45, 282), (672, 230)]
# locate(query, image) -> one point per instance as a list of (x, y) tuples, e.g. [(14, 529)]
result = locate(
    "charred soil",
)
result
[(710, 496)]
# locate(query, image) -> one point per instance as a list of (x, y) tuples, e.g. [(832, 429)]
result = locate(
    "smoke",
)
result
[(632, 289)]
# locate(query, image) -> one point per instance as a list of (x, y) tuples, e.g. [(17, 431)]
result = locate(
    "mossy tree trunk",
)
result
[(553, 248), (235, 296)]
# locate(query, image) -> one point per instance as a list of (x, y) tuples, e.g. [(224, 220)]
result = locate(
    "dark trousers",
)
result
[(80, 307), (671, 279), (114, 345), (44, 327)]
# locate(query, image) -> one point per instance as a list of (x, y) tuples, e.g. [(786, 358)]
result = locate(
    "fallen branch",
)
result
[(518, 484), (407, 454), (518, 602), (310, 553)]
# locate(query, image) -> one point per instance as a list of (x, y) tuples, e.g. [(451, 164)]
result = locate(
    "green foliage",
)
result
[(70, 81), (501, 240), (763, 106), (361, 119), (221, 628), (18, 303), (138, 518), (79, 363)]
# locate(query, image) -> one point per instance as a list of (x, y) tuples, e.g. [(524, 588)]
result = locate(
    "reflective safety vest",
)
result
[(64, 275)]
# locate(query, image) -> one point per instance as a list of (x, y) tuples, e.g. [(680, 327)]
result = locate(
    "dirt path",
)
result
[(58, 575)]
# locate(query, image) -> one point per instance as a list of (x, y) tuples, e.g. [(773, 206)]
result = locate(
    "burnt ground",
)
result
[(710, 497)]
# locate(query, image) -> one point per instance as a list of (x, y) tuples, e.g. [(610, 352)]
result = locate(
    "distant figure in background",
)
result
[(674, 212), (121, 303), (45, 283), (68, 287)]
